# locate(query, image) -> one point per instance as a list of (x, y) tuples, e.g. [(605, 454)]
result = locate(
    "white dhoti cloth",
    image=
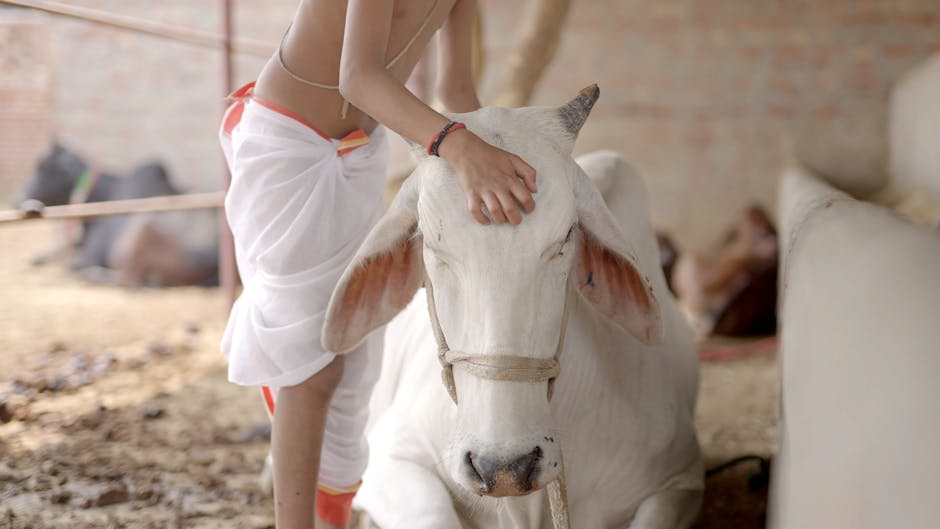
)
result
[(299, 210)]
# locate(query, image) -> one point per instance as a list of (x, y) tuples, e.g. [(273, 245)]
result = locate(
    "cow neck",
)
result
[(507, 368), (84, 185), (494, 367)]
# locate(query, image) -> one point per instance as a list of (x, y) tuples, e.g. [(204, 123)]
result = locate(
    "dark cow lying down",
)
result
[(153, 249)]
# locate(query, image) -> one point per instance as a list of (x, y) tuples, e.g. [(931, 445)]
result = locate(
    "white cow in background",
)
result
[(622, 406)]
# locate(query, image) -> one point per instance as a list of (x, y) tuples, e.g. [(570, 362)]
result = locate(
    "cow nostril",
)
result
[(497, 476), (526, 468), (475, 472)]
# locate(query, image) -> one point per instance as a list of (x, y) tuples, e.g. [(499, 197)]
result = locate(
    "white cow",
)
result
[(623, 403)]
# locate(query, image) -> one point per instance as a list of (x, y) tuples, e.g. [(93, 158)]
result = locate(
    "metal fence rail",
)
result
[(117, 207), (157, 29), (224, 42)]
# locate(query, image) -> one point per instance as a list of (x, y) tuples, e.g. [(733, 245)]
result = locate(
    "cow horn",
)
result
[(575, 112)]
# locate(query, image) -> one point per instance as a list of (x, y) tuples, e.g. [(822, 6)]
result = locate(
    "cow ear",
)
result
[(606, 269), (382, 277)]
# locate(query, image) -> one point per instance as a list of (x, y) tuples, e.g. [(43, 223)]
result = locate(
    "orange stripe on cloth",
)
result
[(247, 92), (352, 141), (293, 115), (335, 507), (233, 115), (243, 92), (268, 399)]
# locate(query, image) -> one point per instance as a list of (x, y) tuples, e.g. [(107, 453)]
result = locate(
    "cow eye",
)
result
[(559, 248), (568, 235)]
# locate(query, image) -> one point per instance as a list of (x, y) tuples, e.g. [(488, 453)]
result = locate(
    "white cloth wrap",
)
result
[(298, 212)]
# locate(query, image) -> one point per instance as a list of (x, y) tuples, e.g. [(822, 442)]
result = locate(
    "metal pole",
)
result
[(228, 272), (149, 27), (116, 207)]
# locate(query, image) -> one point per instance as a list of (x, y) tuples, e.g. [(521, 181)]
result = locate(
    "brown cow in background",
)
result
[(731, 289)]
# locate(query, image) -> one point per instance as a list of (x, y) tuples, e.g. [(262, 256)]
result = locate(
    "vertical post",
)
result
[(541, 30), (228, 273)]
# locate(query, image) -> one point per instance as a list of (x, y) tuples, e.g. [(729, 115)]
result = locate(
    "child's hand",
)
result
[(491, 176)]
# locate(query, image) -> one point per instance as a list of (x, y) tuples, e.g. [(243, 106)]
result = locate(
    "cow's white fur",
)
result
[(622, 411)]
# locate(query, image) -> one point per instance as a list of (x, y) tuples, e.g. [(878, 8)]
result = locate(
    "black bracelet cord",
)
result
[(435, 145)]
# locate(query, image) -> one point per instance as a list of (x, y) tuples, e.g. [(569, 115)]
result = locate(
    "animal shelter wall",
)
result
[(704, 97), (118, 97)]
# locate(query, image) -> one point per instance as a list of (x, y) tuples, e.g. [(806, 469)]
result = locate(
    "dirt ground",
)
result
[(115, 411)]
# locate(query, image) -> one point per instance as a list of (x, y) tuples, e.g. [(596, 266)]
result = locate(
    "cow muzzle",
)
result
[(503, 476), (510, 467)]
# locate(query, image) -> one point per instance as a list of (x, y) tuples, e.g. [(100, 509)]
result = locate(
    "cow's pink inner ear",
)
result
[(615, 287), (379, 287)]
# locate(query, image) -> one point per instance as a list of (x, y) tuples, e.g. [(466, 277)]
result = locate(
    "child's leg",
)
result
[(296, 438), (345, 452)]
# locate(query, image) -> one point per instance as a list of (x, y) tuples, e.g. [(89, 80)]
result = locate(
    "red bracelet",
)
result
[(435, 142)]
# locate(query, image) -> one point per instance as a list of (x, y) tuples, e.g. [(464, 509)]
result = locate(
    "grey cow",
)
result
[(154, 249)]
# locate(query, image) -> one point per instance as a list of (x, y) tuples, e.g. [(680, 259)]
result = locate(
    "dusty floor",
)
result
[(115, 412)]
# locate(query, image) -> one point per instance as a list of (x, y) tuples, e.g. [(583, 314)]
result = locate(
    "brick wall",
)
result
[(25, 99), (122, 98), (703, 96)]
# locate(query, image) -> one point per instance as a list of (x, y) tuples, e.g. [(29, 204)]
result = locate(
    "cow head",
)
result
[(55, 177), (499, 289)]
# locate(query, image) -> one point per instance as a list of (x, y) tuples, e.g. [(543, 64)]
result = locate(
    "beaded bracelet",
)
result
[(435, 142)]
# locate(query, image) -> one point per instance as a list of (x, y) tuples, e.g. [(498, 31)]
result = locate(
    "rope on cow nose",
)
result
[(507, 368), (558, 499)]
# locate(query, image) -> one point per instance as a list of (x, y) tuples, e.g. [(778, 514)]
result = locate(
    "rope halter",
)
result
[(508, 368), (511, 369)]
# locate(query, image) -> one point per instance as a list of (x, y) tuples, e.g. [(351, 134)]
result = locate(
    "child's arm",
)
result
[(487, 174)]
